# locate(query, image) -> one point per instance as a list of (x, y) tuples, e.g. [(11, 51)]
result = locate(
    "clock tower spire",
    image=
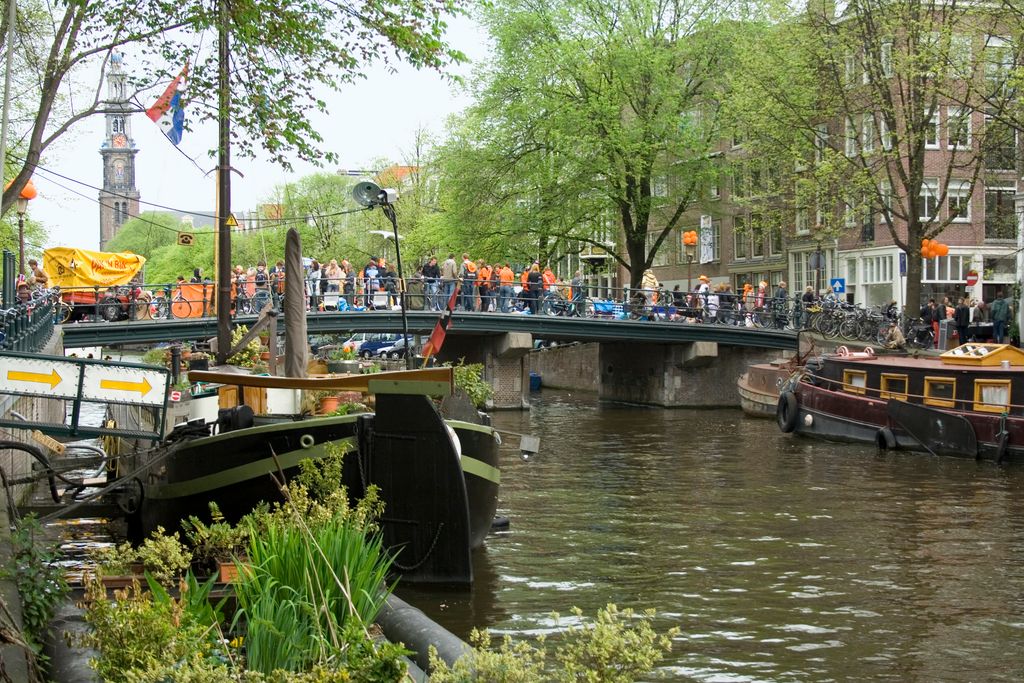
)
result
[(119, 199)]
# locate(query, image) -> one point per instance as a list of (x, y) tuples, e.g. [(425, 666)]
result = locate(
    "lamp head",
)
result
[(366, 193), (370, 194)]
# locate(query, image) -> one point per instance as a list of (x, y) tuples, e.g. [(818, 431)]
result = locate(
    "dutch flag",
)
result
[(169, 109)]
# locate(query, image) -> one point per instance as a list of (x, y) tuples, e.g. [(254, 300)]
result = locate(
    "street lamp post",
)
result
[(21, 205), (691, 253)]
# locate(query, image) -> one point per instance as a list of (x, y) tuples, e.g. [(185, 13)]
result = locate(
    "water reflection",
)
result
[(780, 558)]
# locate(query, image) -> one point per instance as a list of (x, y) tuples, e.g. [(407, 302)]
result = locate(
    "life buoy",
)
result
[(787, 411), (885, 439)]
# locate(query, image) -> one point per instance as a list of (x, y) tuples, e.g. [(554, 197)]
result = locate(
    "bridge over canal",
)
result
[(654, 362)]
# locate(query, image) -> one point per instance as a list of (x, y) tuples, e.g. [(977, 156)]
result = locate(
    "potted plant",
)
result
[(215, 546), (199, 361), (343, 360), (326, 401)]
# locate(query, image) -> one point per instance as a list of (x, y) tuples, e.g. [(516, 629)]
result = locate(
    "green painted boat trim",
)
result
[(481, 469), (470, 426), (275, 427), (410, 387), (245, 472)]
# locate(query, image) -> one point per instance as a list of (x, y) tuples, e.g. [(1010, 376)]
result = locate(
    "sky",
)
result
[(374, 118)]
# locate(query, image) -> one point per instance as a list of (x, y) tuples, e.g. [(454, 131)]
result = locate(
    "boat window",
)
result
[(940, 391), (855, 381), (992, 395), (893, 386)]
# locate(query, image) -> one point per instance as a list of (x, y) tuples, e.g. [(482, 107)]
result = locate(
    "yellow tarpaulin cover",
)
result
[(69, 267)]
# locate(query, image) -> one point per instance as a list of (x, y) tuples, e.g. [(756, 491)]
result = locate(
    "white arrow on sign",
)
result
[(124, 385), (836, 286), (33, 376)]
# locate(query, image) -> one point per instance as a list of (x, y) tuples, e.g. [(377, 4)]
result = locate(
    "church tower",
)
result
[(119, 200)]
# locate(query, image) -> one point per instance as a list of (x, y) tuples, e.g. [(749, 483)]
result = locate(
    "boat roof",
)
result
[(976, 357)]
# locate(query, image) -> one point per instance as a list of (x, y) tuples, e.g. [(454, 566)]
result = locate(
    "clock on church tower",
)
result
[(119, 198)]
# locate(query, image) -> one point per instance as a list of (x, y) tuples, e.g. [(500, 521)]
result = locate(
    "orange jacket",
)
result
[(506, 276), (484, 275), (548, 277), (523, 278)]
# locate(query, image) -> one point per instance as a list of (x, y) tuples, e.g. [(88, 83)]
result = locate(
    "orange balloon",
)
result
[(29, 191), (943, 250), (927, 253)]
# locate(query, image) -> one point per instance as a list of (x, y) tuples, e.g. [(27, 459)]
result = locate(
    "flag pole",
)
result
[(223, 193)]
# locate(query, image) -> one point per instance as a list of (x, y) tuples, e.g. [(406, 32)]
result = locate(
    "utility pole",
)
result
[(223, 190)]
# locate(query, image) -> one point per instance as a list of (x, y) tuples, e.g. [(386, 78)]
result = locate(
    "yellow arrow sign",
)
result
[(53, 379), (142, 387)]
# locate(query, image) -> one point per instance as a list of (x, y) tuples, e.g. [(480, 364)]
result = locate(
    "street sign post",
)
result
[(838, 285)]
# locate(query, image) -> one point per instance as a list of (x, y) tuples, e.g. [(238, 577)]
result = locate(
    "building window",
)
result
[(885, 194), (664, 255), (851, 271), (659, 186), (739, 181), (716, 240), (885, 53), (850, 68), (740, 237), (893, 386), (855, 381), (992, 395), (775, 241), (757, 237), (800, 221), (867, 224), (940, 391), (1000, 222), (867, 133), (931, 130), (998, 58), (958, 127), (959, 200), (885, 134), (820, 141), (999, 144), (927, 199), (117, 124), (851, 138)]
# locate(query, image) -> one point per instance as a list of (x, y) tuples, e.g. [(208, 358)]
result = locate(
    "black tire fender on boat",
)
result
[(885, 439), (787, 411)]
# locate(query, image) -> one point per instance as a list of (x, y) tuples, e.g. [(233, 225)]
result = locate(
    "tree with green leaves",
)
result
[(880, 113), (593, 124), (283, 52)]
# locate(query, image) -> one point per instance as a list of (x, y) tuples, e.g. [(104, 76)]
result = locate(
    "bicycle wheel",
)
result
[(260, 298), (883, 334), (63, 311), (181, 308), (109, 309), (586, 308), (848, 329), (159, 308)]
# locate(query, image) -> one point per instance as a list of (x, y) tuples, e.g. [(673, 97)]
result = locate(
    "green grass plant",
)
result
[(304, 585)]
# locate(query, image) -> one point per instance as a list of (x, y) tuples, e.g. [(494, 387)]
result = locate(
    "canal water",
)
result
[(780, 558)]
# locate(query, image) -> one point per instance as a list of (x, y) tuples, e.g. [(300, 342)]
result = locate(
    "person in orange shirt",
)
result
[(549, 289), (483, 284), (468, 276), (506, 278)]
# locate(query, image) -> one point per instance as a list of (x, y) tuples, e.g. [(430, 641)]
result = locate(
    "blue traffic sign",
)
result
[(838, 285)]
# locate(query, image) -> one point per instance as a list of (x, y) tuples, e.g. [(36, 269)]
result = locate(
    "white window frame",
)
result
[(929, 188), (850, 141), (800, 222), (867, 132), (849, 213), (850, 68), (885, 55), (885, 193), (740, 236), (820, 141), (884, 134), (957, 114), (659, 186), (936, 141), (957, 189)]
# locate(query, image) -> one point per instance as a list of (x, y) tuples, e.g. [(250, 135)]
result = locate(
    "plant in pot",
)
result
[(327, 401), (199, 361), (216, 546), (343, 360)]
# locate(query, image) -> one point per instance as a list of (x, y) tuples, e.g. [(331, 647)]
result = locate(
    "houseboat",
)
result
[(967, 402)]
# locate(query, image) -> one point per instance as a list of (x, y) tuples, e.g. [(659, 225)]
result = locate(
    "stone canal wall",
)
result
[(573, 367), (695, 374)]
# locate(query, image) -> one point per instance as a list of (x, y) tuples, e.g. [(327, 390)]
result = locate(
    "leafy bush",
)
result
[(216, 541), (619, 647), (40, 579), (164, 556), (249, 355), (470, 379)]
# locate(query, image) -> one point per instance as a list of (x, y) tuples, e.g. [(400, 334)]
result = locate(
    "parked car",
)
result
[(370, 348), (396, 350)]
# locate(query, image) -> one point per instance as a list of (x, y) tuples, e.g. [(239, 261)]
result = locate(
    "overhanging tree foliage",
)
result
[(593, 124), (283, 53), (881, 113)]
